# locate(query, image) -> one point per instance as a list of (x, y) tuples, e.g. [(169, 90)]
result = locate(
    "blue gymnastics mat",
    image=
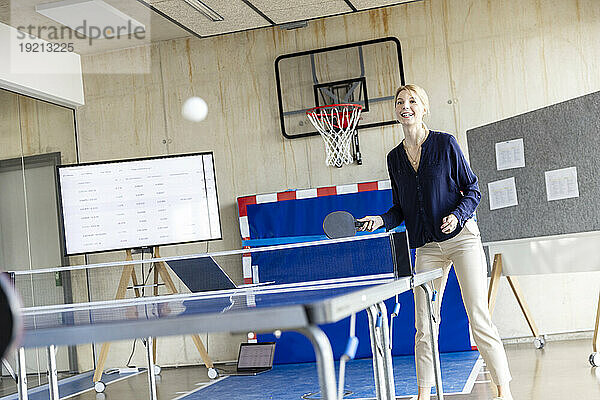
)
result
[(300, 381)]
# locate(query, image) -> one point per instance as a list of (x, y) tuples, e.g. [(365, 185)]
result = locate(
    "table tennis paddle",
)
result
[(340, 224), (9, 315)]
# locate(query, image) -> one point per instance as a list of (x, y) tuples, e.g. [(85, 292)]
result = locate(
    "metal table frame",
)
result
[(301, 317)]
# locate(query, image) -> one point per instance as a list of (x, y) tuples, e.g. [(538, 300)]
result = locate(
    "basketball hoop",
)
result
[(336, 123)]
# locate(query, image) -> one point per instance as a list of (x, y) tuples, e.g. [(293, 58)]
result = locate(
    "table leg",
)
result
[(21, 374), (151, 375), (382, 356), (375, 348), (387, 352), (434, 343), (325, 366), (596, 340), (52, 373)]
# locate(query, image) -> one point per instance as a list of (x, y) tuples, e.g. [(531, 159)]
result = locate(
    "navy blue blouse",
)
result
[(443, 184)]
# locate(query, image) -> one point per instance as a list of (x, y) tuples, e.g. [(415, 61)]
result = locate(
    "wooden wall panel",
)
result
[(511, 57), (124, 114), (10, 133)]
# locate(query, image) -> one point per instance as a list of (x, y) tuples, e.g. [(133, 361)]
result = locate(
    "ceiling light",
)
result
[(91, 18), (205, 10), (293, 25)]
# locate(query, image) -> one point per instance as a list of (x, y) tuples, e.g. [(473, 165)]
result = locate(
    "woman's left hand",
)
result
[(449, 224)]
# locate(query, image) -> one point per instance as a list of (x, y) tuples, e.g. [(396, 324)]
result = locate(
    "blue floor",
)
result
[(69, 386), (300, 381)]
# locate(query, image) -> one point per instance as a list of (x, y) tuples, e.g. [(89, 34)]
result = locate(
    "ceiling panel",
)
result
[(282, 11), (22, 14), (236, 14), (170, 19)]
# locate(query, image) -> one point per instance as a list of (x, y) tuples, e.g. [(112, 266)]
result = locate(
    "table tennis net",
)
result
[(209, 271)]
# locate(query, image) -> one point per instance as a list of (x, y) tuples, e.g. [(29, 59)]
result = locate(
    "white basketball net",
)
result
[(336, 124)]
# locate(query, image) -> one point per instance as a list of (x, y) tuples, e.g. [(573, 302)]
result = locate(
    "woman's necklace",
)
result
[(414, 160)]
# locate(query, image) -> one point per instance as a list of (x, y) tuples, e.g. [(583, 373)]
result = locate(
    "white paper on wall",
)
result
[(561, 184), (510, 154), (503, 193)]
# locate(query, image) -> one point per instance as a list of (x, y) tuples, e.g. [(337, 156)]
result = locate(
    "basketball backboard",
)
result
[(365, 73)]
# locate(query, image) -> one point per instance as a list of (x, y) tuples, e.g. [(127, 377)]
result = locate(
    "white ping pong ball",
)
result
[(277, 333), (194, 109)]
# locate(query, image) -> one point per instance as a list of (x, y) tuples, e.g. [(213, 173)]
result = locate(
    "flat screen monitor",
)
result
[(129, 204)]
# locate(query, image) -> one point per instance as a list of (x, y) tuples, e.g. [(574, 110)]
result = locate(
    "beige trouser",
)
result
[(466, 253)]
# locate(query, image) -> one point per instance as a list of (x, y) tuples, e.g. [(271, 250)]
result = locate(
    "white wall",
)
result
[(55, 77)]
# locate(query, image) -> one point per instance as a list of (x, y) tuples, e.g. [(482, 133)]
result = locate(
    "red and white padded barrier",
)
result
[(250, 273)]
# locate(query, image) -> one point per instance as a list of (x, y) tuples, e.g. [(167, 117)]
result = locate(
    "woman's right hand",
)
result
[(370, 223)]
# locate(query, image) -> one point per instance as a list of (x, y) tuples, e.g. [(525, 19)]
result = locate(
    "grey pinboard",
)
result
[(562, 135)]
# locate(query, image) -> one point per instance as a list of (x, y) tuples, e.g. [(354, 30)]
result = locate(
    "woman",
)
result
[(435, 192)]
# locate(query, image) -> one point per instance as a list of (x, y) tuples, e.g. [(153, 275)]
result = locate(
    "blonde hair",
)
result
[(416, 91)]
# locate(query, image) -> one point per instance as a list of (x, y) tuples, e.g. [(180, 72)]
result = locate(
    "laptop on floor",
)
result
[(254, 358)]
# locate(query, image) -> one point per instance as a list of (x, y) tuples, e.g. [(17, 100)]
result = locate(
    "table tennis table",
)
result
[(299, 307)]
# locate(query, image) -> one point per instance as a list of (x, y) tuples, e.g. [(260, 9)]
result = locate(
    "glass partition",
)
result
[(35, 137)]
